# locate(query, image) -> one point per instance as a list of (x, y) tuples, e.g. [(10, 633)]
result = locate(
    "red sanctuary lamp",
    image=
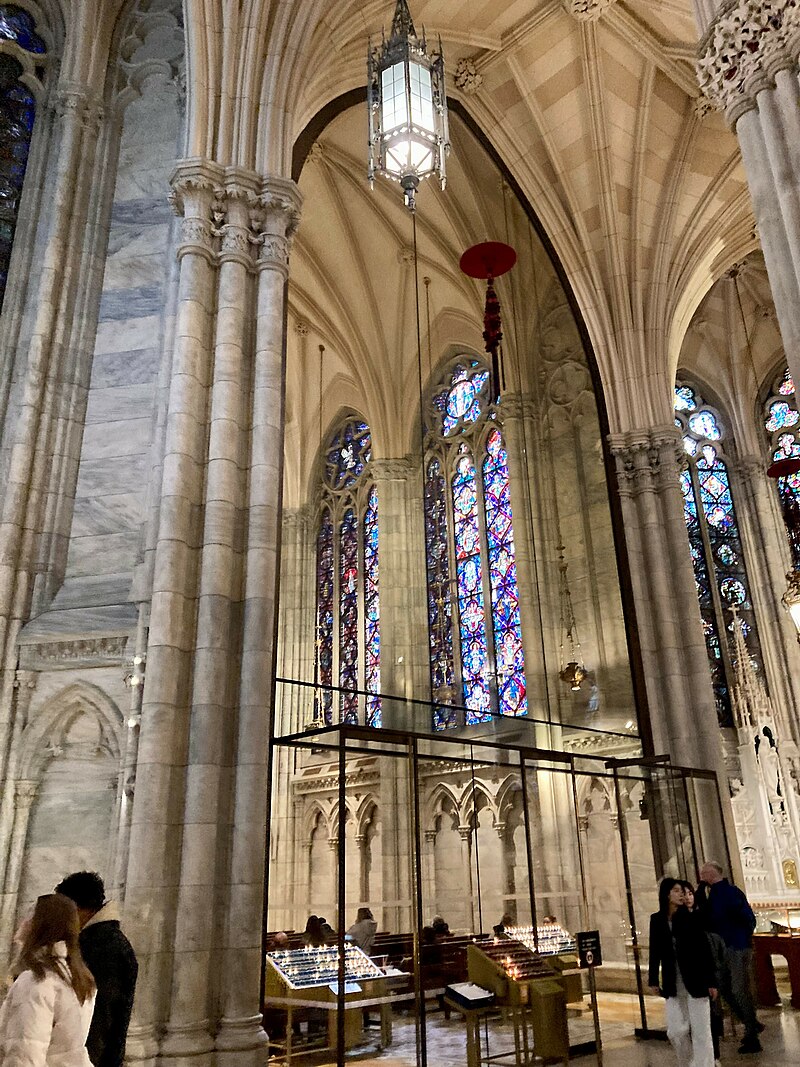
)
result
[(784, 468), (488, 261)]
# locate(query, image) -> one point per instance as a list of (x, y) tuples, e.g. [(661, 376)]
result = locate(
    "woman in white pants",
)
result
[(681, 956)]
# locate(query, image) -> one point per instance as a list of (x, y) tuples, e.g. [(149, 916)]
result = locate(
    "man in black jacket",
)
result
[(110, 958)]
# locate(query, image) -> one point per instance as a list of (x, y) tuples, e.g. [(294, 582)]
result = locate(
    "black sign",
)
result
[(589, 952)]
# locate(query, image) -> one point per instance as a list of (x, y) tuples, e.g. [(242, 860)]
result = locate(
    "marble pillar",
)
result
[(748, 67), (199, 825), (24, 796), (682, 715), (405, 669), (768, 560)]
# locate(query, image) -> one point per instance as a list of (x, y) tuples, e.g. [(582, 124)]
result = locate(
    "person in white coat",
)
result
[(46, 1015)]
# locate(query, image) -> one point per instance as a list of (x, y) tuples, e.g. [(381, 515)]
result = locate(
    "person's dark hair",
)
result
[(54, 919), (313, 935), (85, 888), (664, 890), (689, 888)]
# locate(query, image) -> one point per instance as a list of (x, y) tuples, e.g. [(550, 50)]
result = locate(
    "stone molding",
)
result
[(647, 461), (393, 470), (747, 44), (93, 651), (587, 10)]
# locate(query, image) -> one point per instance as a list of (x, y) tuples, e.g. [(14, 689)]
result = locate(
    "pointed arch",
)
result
[(62, 709)]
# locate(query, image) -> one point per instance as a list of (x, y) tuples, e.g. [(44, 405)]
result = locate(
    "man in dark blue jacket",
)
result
[(728, 914), (108, 954)]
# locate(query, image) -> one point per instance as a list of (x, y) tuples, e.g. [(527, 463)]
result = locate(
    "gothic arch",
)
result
[(59, 713)]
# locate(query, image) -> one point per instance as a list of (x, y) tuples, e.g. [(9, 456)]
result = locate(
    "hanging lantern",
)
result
[(784, 468), (491, 260), (573, 673), (408, 135)]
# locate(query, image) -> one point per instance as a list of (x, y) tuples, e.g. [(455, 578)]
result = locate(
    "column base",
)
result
[(241, 1043), (190, 1044), (142, 1046)]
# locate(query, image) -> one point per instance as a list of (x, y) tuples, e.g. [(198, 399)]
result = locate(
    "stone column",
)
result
[(157, 820), (465, 833), (768, 560), (23, 690), (748, 67), (199, 829), (682, 715), (24, 795), (241, 1038), (45, 380), (405, 669), (430, 903)]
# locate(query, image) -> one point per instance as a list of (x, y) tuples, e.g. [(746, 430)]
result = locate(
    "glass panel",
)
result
[(470, 591), (325, 613), (348, 616), (421, 98), (509, 659), (17, 113), (440, 611), (372, 639), (393, 95), (17, 25)]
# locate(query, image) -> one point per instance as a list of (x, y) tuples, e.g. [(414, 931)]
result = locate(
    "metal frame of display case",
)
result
[(668, 792)]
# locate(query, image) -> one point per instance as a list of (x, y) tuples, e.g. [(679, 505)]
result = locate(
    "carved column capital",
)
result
[(430, 837), (517, 406), (587, 10), (745, 46), (194, 187), (752, 470), (73, 99), (647, 460), (276, 218), (24, 794)]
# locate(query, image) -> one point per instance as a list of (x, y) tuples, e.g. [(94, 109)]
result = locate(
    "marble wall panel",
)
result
[(110, 494)]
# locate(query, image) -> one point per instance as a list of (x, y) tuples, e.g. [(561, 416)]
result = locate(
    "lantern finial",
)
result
[(402, 23)]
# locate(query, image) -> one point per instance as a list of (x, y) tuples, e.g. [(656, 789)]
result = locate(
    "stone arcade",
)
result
[(233, 508)]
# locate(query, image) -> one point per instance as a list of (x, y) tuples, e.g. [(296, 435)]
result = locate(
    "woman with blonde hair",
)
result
[(45, 1017)]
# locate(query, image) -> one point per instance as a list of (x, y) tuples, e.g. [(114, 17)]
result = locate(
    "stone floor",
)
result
[(446, 1042)]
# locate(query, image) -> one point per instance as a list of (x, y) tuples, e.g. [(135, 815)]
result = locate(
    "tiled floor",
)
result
[(446, 1042)]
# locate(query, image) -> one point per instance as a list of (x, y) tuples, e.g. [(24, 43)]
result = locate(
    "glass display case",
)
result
[(772, 919), (305, 968)]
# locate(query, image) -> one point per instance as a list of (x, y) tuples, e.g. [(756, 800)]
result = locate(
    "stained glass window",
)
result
[(325, 612), (473, 598), (503, 575), (372, 613), (782, 423), (717, 556), (440, 611), (17, 114), (348, 602)]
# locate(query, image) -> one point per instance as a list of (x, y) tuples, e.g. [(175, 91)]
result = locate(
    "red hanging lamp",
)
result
[(490, 260)]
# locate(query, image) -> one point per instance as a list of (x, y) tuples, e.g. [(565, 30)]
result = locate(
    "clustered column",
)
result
[(682, 714), (748, 67), (195, 886)]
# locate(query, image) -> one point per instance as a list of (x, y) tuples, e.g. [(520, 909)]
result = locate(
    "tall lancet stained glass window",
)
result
[(782, 423), (348, 643), (476, 654), (18, 41), (717, 555)]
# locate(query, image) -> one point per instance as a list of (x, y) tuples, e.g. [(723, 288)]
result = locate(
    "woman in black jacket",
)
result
[(680, 953)]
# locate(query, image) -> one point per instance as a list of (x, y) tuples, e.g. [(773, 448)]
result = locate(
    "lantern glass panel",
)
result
[(421, 98), (407, 156), (393, 98)]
